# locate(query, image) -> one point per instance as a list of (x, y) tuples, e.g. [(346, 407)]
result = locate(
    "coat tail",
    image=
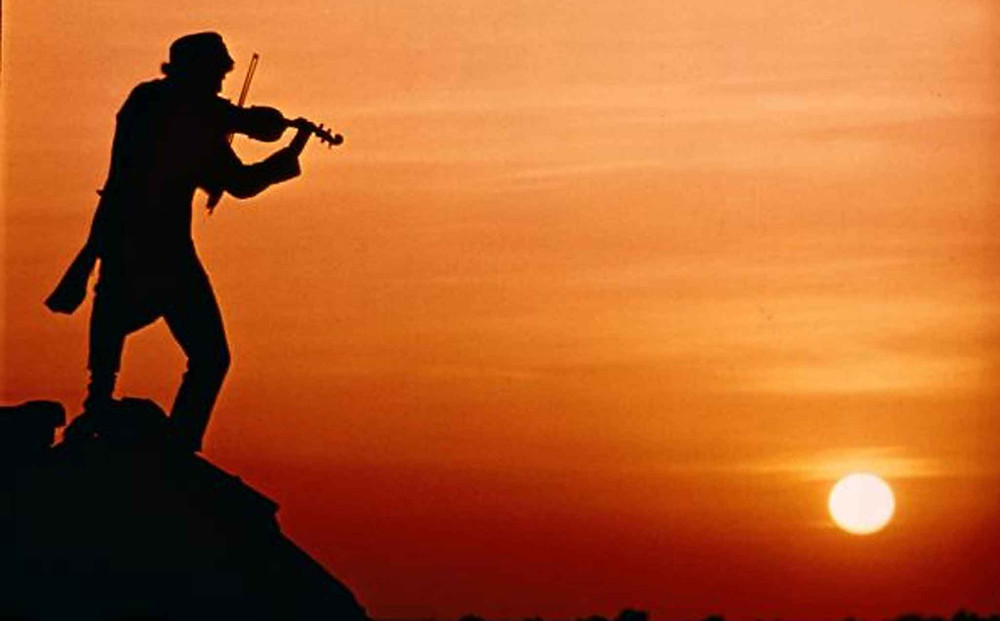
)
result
[(72, 288)]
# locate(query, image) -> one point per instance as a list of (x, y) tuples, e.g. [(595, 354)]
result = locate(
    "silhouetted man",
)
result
[(171, 138)]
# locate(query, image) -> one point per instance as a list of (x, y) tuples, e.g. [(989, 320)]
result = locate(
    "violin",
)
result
[(268, 124), (265, 124)]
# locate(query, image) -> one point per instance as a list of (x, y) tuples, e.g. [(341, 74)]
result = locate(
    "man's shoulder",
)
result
[(160, 90), (148, 89), (142, 95)]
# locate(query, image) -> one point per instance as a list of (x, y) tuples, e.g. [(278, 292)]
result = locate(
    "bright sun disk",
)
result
[(861, 503)]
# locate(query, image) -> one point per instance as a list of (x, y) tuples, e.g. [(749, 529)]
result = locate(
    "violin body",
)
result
[(267, 124), (258, 122)]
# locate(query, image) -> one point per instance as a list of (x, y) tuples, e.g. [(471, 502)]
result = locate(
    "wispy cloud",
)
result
[(890, 462)]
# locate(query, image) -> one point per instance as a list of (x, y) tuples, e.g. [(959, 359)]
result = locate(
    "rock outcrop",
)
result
[(115, 523)]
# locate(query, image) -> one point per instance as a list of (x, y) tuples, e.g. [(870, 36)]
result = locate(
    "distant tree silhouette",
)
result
[(964, 615), (632, 614)]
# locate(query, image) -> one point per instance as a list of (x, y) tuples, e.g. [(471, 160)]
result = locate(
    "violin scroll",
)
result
[(324, 134)]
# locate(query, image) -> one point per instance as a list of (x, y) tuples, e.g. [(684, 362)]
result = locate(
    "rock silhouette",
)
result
[(115, 522)]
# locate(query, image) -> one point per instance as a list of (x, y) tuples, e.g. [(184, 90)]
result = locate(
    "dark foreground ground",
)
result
[(115, 523)]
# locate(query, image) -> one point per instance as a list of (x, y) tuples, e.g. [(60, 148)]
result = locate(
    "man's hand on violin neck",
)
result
[(306, 129), (302, 124)]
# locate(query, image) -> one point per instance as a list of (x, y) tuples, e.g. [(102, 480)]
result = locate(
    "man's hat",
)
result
[(199, 52)]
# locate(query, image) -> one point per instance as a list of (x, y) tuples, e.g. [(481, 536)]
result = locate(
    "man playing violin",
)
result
[(171, 137)]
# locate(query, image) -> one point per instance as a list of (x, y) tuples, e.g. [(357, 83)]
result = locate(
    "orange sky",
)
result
[(593, 306)]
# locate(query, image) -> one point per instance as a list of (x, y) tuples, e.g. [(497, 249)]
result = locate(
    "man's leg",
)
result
[(113, 317), (194, 319), (107, 338)]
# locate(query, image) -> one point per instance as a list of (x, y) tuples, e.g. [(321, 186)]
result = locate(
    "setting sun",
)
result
[(862, 503)]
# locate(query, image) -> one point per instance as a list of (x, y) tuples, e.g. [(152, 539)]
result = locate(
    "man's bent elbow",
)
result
[(244, 191)]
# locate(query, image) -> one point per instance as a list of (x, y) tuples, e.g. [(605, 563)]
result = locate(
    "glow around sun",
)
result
[(861, 503)]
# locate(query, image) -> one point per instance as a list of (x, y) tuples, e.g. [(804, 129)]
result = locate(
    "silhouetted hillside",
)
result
[(120, 525), (632, 614)]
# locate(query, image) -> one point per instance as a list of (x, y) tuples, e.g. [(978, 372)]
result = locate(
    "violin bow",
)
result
[(214, 197)]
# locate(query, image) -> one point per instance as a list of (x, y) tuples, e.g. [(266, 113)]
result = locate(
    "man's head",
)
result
[(200, 60)]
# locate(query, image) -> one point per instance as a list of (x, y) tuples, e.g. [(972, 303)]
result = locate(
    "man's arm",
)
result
[(246, 180)]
